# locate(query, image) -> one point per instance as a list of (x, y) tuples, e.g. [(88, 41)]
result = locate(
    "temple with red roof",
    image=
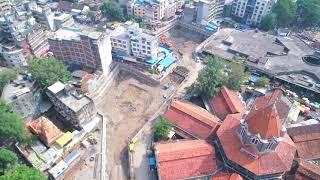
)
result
[(256, 146), (251, 145), (191, 121), (225, 103)]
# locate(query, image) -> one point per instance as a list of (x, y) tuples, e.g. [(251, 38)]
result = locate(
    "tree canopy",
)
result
[(11, 123), (162, 129), (6, 76), (262, 82), (91, 15), (112, 11), (214, 76), (309, 12), (24, 172), (269, 22), (285, 11), (47, 71), (7, 159)]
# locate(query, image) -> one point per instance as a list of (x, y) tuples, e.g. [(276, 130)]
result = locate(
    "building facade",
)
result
[(13, 56), (131, 40), (75, 108), (152, 11), (209, 10), (38, 41), (251, 11), (84, 48), (5, 8)]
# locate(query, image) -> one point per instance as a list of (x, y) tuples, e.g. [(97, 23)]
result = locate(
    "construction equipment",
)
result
[(92, 139)]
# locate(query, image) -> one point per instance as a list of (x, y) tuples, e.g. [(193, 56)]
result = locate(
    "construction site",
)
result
[(132, 100)]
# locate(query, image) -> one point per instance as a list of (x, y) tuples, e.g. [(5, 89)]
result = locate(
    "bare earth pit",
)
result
[(127, 105)]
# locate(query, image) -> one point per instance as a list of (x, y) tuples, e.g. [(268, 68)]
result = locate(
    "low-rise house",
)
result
[(225, 103), (75, 108), (191, 121), (47, 132)]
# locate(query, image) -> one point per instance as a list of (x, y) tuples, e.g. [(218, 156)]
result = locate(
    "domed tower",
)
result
[(256, 145), (262, 129)]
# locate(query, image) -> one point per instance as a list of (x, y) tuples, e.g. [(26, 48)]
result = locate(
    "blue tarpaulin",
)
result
[(209, 29), (167, 61), (254, 78), (212, 26), (152, 161), (152, 61)]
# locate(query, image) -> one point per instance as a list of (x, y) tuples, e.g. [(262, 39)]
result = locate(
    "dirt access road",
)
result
[(128, 104)]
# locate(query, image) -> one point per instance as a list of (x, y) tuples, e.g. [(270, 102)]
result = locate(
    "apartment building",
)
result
[(5, 7), (44, 16), (75, 108), (82, 46), (62, 20), (38, 41), (209, 10), (251, 11), (131, 40), (13, 56), (153, 10)]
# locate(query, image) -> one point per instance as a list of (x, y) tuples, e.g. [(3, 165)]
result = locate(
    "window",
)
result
[(148, 43), (242, 131), (133, 44), (254, 140), (269, 146), (143, 47), (119, 41), (134, 49), (148, 48), (144, 51)]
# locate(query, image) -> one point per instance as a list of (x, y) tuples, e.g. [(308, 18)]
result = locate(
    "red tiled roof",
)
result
[(185, 159), (282, 108), (265, 121), (226, 102), (227, 176), (192, 119), (307, 140), (46, 130), (307, 170), (277, 161)]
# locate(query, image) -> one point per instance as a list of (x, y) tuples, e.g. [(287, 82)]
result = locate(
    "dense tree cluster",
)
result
[(111, 10), (162, 129), (216, 73), (47, 71), (24, 172), (305, 13), (6, 76), (11, 123)]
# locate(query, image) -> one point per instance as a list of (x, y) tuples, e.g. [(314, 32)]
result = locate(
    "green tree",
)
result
[(262, 82), (6, 76), (11, 123), (47, 71), (24, 172), (7, 159), (236, 76), (269, 22), (309, 12), (285, 11), (91, 15), (112, 11), (210, 79), (162, 129)]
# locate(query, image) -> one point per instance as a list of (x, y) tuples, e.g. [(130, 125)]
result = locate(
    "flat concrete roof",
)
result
[(275, 55)]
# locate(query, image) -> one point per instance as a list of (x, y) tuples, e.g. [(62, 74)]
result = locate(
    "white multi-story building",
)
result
[(130, 39), (251, 11), (153, 10), (13, 56), (5, 7), (209, 10)]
